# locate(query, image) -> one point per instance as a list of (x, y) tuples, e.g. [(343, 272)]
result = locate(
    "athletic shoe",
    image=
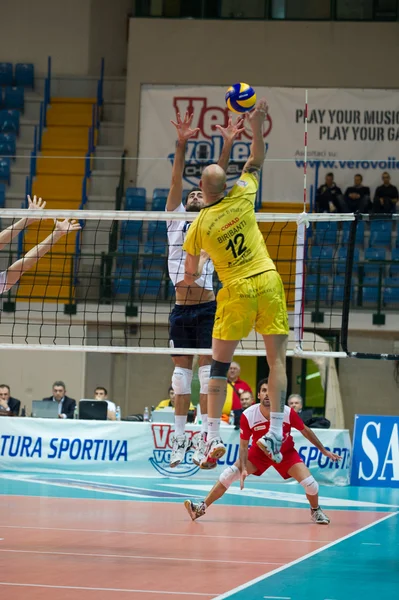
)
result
[(195, 510), (181, 444), (200, 444), (214, 450), (318, 516), (271, 446)]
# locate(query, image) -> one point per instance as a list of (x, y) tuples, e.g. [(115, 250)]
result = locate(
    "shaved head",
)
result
[(213, 181)]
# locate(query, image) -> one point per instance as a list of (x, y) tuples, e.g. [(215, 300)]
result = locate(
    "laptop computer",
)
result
[(93, 410), (163, 415), (45, 409)]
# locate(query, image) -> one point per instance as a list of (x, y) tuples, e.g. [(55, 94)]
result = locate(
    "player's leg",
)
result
[(229, 476), (204, 371), (276, 348), (181, 383), (301, 473)]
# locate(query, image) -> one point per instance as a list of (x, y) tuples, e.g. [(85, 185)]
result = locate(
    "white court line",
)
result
[(301, 559), (278, 597), (138, 557), (159, 534), (97, 589), (369, 544)]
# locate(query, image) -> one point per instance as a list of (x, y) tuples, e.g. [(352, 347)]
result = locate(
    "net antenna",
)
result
[(303, 222)]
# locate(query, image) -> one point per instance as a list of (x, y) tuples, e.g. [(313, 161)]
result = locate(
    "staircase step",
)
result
[(67, 164), (68, 138), (66, 187), (49, 293)]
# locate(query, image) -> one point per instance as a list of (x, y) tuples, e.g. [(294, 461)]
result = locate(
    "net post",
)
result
[(347, 285)]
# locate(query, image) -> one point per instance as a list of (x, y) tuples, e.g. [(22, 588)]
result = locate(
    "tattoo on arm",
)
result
[(251, 169)]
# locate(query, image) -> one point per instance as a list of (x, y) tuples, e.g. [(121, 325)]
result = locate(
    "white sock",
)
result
[(204, 424), (180, 424), (276, 424), (213, 429)]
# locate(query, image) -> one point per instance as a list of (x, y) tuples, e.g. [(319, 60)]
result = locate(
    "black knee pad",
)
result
[(219, 369)]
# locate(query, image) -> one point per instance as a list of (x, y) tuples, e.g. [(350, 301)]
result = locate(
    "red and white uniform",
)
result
[(254, 424)]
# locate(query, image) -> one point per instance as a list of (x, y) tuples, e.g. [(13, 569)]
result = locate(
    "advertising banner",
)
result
[(375, 461), (139, 449), (349, 132)]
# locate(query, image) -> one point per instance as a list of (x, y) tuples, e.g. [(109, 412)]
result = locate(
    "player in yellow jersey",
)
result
[(252, 295)]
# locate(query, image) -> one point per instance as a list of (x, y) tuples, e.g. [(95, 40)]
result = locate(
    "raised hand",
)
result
[(183, 128), (35, 204), (67, 226), (258, 116), (232, 130), (332, 456)]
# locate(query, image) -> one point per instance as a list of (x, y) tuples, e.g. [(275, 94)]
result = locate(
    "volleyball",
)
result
[(240, 98)]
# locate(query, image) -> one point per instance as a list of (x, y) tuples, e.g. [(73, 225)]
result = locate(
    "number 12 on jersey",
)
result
[(237, 245)]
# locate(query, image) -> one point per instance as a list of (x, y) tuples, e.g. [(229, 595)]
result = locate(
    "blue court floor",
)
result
[(358, 565)]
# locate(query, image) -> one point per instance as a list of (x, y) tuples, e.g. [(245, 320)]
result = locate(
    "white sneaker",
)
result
[(318, 516), (271, 446), (199, 444), (195, 510), (181, 444), (214, 450)]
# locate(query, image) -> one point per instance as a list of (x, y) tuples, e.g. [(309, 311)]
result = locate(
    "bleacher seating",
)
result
[(311, 288), (346, 225), (341, 262), (5, 170), (24, 75), (326, 233), (155, 247), (151, 262), (370, 290), (159, 198), (380, 234), (394, 269), (338, 290), (2, 194), (14, 97), (374, 254), (6, 74), (9, 121), (8, 144), (149, 288), (132, 229), (321, 259), (157, 230), (391, 291), (135, 199)]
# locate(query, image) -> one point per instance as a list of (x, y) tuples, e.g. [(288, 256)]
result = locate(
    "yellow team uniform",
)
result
[(167, 404), (253, 293)]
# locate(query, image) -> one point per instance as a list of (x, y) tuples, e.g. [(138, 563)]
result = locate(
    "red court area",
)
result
[(78, 549)]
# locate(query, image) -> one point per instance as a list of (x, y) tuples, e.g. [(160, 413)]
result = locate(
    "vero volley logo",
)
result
[(162, 435)]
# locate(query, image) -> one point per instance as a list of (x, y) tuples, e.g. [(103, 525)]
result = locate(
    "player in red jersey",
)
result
[(255, 422)]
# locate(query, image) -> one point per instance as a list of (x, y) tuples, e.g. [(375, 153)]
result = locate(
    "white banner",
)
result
[(347, 128), (139, 449)]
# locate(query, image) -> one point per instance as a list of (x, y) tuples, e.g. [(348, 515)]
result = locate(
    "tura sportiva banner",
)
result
[(139, 449), (375, 451), (349, 132)]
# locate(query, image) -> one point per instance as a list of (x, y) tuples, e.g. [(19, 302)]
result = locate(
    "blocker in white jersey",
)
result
[(192, 318)]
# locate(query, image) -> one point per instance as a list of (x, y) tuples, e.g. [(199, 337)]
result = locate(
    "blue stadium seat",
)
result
[(321, 259), (127, 247), (374, 254), (151, 262), (2, 195), (136, 191), (9, 121), (370, 290), (121, 285), (14, 97), (380, 234), (157, 229), (150, 287), (159, 198), (341, 262), (326, 233), (135, 203), (311, 288), (25, 75), (6, 75), (171, 292), (391, 291), (5, 170), (8, 144), (394, 269), (346, 225), (338, 290), (132, 229), (155, 246)]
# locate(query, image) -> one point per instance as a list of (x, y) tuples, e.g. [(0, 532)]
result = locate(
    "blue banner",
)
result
[(375, 458)]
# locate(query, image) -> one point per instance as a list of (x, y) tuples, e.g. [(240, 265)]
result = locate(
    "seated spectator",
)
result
[(100, 393), (7, 403), (295, 401), (329, 197), (357, 196), (170, 402), (386, 196), (235, 387), (66, 405), (246, 399)]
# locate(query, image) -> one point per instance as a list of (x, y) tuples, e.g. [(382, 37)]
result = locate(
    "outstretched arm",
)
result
[(16, 270), (256, 118), (313, 439), (229, 134), (243, 458), (194, 266), (184, 133), (11, 232)]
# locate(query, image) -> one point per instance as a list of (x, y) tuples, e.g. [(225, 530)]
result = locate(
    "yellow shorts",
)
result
[(256, 302)]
